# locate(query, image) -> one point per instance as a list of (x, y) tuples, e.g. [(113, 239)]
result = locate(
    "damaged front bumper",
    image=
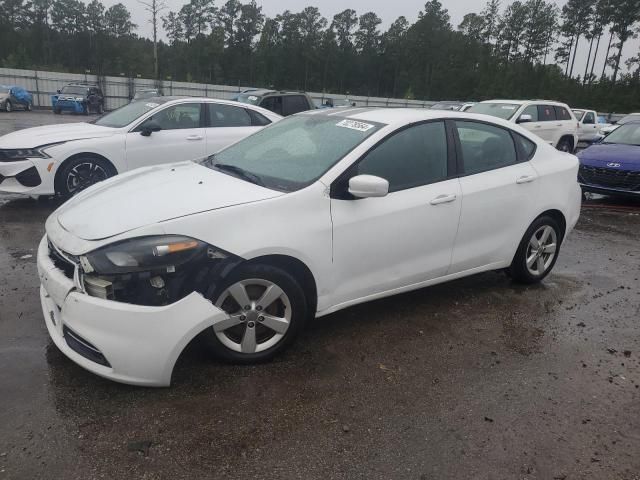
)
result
[(132, 344)]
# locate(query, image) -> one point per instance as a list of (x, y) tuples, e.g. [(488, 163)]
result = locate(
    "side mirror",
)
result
[(368, 186), (148, 128), (58, 90), (525, 118)]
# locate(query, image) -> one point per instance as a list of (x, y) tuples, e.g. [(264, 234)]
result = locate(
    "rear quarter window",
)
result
[(526, 147)]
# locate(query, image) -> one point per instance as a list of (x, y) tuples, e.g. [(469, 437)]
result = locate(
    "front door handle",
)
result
[(195, 137), (443, 199), (525, 179)]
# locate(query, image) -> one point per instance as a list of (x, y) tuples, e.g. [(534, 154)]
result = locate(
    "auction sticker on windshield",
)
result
[(152, 105), (354, 125)]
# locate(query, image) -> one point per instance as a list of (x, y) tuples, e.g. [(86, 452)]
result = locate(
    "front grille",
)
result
[(610, 178), (82, 347), (62, 262), (29, 177)]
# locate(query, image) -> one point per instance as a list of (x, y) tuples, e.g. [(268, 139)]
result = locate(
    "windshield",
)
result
[(500, 110), (74, 90), (628, 134), (579, 114), (295, 152), (248, 98), (629, 118), (123, 116)]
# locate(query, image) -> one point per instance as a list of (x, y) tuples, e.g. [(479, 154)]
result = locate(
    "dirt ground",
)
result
[(475, 379)]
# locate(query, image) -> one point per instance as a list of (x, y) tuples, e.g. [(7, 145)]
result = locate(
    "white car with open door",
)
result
[(552, 121), (67, 158), (318, 212)]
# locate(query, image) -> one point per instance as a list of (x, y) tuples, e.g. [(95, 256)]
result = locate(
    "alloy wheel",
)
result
[(7, 106), (541, 250), (84, 175), (259, 315)]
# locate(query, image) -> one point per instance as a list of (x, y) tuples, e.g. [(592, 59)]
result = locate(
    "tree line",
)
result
[(526, 49)]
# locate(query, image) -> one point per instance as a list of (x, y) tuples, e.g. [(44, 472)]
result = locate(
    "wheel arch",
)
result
[(58, 178), (300, 271), (559, 217), (571, 138)]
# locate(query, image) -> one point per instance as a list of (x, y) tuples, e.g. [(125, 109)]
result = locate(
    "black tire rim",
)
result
[(83, 175)]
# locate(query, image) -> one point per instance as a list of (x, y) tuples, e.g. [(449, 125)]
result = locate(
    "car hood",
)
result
[(627, 156), (3, 96), (150, 195), (38, 136)]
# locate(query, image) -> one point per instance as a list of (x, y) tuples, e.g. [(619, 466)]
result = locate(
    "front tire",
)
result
[(537, 252), (267, 309), (29, 107), (8, 107), (80, 173)]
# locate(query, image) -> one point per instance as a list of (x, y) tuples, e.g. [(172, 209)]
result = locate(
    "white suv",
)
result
[(551, 121)]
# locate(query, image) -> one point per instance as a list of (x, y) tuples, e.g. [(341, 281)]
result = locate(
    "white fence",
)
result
[(119, 90)]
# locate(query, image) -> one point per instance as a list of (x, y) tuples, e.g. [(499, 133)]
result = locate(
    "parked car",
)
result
[(336, 103), (12, 96), (65, 159), (590, 125), (632, 117), (78, 98), (311, 215), (612, 166), (146, 93), (551, 121), (454, 106), (467, 106), (282, 103)]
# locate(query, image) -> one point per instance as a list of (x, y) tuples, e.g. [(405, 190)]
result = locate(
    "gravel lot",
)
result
[(475, 379)]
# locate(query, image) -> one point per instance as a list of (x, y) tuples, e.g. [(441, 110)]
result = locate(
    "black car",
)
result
[(282, 103), (79, 98)]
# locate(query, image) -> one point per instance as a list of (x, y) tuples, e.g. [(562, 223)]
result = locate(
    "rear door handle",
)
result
[(443, 199), (525, 179), (195, 137)]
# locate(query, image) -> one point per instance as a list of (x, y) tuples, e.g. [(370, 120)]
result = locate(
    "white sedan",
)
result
[(65, 159), (318, 212)]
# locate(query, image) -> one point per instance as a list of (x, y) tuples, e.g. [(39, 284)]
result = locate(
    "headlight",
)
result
[(79, 99), (13, 154), (148, 254)]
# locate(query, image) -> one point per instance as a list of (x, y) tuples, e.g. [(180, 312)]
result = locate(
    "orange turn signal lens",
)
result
[(49, 167), (162, 250)]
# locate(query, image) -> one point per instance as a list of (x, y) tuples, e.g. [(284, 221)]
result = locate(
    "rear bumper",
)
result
[(139, 345)]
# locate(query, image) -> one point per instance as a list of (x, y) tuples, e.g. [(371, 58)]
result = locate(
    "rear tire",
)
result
[(275, 314), (565, 145), (537, 252), (56, 111), (81, 173), (28, 108)]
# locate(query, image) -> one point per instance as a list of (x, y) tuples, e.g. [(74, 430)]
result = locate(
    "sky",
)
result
[(387, 10)]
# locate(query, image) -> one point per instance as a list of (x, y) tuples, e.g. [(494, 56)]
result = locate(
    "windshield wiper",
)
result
[(240, 172)]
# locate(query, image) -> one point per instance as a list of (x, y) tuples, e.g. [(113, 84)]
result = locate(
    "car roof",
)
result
[(402, 116), (264, 92), (522, 102)]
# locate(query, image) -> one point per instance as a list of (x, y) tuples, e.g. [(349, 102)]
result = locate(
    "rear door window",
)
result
[(294, 104), (562, 114), (546, 113), (485, 147), (272, 103), (227, 116)]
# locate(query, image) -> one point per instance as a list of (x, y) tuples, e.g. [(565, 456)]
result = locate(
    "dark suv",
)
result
[(79, 98), (282, 103)]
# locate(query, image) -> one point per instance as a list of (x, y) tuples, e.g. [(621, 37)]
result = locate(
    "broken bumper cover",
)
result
[(127, 343)]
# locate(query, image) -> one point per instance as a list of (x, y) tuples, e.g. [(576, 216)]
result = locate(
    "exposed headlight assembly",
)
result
[(146, 254), (154, 270)]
